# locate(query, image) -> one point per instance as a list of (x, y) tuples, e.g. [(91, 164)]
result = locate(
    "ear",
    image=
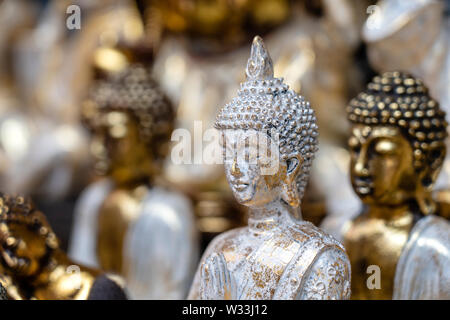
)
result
[(435, 159), (428, 176), (293, 166), (290, 192)]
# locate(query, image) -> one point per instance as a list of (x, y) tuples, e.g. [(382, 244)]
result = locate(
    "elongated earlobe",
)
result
[(426, 203), (428, 176), (423, 193), (290, 192), (291, 196)]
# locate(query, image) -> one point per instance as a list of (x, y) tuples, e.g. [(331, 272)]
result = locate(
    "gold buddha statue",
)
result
[(124, 223), (278, 255), (32, 264), (397, 147), (414, 36), (218, 25)]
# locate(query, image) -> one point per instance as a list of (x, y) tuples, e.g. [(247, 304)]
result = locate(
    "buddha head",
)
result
[(265, 125), (397, 142), (131, 121), (26, 239)]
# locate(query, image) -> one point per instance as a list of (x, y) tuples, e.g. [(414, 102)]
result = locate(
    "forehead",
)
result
[(364, 131), (241, 135), (113, 118)]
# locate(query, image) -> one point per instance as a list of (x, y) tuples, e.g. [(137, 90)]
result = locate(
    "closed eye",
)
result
[(354, 144)]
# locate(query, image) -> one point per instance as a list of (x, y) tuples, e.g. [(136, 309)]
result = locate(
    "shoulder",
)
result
[(334, 261), (308, 232), (328, 277), (224, 240), (423, 262), (430, 236), (169, 198), (319, 270), (95, 193), (227, 238), (167, 207), (430, 230)]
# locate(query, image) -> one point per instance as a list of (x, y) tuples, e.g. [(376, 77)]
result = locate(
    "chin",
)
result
[(243, 197)]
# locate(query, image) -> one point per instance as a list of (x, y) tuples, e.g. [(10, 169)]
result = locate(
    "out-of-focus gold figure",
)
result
[(52, 69), (397, 150), (414, 36), (279, 255), (34, 266), (219, 25), (131, 122)]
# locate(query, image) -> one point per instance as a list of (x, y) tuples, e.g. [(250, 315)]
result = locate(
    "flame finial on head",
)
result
[(259, 65), (265, 103)]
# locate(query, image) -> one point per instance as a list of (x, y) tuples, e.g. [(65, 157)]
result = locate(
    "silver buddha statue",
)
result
[(278, 255)]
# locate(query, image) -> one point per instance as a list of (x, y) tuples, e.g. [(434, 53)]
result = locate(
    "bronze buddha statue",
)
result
[(278, 255), (32, 264), (397, 147)]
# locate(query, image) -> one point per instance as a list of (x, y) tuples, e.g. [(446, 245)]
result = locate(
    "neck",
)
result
[(265, 217), (132, 181), (388, 212)]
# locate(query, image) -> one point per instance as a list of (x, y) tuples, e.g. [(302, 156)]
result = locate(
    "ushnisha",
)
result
[(278, 255)]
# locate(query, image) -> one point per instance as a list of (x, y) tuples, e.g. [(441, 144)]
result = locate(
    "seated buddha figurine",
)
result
[(123, 223), (278, 255), (397, 150), (32, 264)]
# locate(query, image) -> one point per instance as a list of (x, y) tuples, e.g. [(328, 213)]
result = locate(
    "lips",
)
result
[(363, 186), (239, 185)]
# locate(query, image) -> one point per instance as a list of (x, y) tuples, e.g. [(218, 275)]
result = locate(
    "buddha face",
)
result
[(118, 148), (252, 166), (22, 249), (382, 169)]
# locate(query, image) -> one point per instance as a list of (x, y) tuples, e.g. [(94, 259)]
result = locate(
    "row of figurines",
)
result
[(397, 247)]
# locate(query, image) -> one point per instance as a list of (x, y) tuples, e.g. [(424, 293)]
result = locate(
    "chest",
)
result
[(119, 209), (257, 265), (374, 247)]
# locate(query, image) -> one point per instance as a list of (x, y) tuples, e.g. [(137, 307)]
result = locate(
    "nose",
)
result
[(235, 171), (361, 166)]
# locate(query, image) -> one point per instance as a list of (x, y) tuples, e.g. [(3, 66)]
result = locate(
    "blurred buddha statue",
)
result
[(197, 64), (397, 150), (414, 36), (269, 138), (33, 265), (124, 223), (52, 69)]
